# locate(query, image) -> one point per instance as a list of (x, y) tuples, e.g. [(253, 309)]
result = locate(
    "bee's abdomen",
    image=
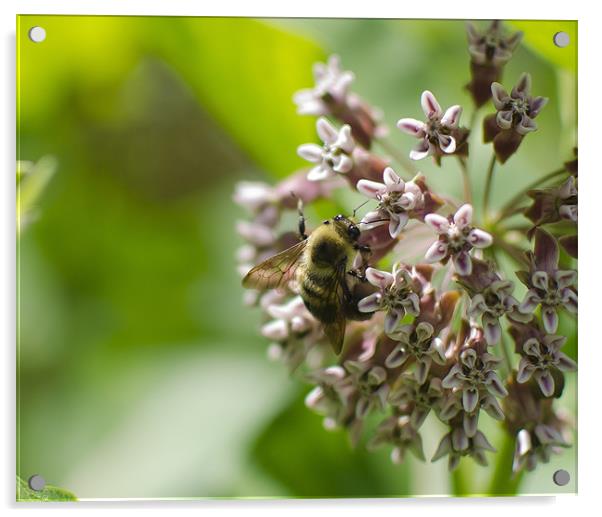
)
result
[(318, 298)]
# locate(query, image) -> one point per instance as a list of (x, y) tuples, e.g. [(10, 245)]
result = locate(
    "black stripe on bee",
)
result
[(323, 312), (311, 291)]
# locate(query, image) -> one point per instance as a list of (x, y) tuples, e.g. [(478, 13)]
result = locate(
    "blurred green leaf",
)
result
[(311, 462), (245, 72), (567, 326), (47, 494), (539, 36), (32, 179)]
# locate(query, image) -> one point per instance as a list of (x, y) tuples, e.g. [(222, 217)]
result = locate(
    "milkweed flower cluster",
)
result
[(435, 338)]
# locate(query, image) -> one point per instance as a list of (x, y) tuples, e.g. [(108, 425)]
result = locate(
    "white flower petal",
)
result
[(526, 125), (276, 330), (392, 319), (436, 252), (319, 173), (397, 223), (499, 95), (345, 140), (373, 220), (546, 383), (525, 370), (326, 131), (477, 306), (459, 439), (396, 358), (549, 318), (314, 107), (437, 222), (479, 238), (371, 188), (504, 119), (343, 164), (412, 127), (470, 423), (422, 150), (382, 279), (463, 216), (447, 143), (492, 330), (470, 399), (423, 366), (540, 280), (371, 303), (392, 180), (451, 117), (530, 302), (310, 152), (430, 106), (407, 201), (463, 263)]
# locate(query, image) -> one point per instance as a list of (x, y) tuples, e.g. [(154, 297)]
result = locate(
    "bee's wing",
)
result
[(337, 297), (275, 271)]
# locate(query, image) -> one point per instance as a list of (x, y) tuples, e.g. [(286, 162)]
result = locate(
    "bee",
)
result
[(322, 266)]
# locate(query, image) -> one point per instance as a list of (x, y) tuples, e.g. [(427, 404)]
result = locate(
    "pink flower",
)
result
[(334, 156), (396, 200), (436, 134), (332, 82), (396, 295), (456, 238)]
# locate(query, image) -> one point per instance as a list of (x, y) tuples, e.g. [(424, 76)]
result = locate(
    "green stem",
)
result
[(504, 481), (506, 352), (488, 183), (465, 180), (508, 208), (459, 484), (405, 163)]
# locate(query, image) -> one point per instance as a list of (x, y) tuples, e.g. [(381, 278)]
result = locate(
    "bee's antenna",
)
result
[(360, 206), (301, 217), (376, 221)]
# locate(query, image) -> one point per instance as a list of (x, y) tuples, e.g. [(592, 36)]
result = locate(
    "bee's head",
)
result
[(346, 227)]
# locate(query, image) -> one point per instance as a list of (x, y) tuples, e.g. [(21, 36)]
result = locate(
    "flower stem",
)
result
[(488, 183), (504, 481), (506, 352), (459, 484), (508, 208), (405, 163), (466, 180)]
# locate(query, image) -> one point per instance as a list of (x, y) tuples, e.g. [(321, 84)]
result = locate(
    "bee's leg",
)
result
[(364, 257), (364, 250), (356, 273), (353, 297), (354, 294)]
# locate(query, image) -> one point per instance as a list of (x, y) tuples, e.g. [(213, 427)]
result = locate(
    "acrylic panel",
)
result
[(279, 258)]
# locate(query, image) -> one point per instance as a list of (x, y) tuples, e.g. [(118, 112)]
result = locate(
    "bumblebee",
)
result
[(322, 266)]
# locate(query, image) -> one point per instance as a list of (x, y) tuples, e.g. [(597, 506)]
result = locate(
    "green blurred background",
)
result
[(141, 374)]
